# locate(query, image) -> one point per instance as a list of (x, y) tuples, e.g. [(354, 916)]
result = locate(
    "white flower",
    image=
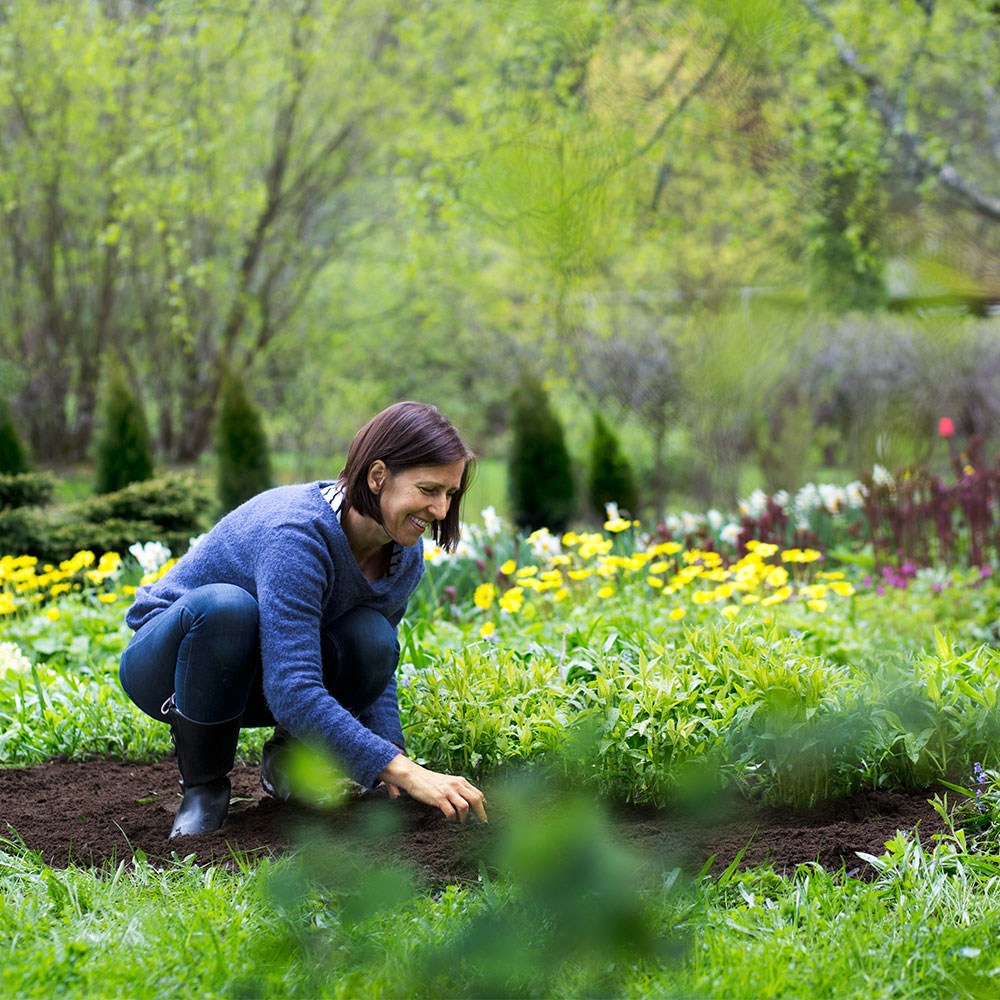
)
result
[(715, 520), (729, 534), (754, 505), (544, 545), (833, 497), (434, 554), (672, 523), (611, 511), (881, 476), (782, 499), (464, 551), (12, 660), (855, 493), (492, 521), (690, 523), (149, 555), (192, 542)]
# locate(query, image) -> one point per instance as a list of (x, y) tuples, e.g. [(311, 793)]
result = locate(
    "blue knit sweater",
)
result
[(286, 547)]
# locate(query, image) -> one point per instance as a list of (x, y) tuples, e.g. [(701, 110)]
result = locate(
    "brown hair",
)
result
[(406, 435)]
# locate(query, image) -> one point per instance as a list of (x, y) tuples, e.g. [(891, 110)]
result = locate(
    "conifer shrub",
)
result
[(244, 462), (13, 459), (542, 490), (610, 478), (123, 453), (26, 489), (170, 509)]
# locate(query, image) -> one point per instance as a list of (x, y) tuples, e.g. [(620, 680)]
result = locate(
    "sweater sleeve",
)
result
[(294, 572), (382, 716)]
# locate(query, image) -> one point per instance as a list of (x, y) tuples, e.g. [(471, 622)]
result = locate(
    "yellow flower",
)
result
[(580, 574), (606, 592), (52, 614), (527, 571), (818, 604), (730, 610), (777, 577), (7, 605), (703, 596), (677, 614), (487, 628), (512, 601), (831, 576), (667, 549), (842, 587), (763, 549), (107, 598), (751, 598), (483, 597), (617, 524), (129, 590), (60, 588), (508, 567), (560, 560), (560, 595), (654, 581), (778, 596), (570, 538), (550, 576)]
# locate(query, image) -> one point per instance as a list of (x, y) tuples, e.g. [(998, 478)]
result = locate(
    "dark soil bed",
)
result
[(100, 812)]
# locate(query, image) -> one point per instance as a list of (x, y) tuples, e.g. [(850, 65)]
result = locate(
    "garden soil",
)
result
[(98, 813)]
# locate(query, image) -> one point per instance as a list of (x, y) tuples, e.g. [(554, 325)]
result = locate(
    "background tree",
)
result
[(244, 461), (123, 454), (12, 456), (542, 489), (610, 478)]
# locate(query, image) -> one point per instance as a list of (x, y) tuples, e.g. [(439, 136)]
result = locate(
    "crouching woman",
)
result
[(285, 615)]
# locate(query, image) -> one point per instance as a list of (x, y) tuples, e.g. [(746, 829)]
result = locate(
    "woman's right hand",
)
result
[(452, 794)]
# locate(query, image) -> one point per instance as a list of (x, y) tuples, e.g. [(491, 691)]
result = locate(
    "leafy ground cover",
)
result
[(779, 712)]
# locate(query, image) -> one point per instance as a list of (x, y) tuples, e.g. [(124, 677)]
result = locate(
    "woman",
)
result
[(285, 614)]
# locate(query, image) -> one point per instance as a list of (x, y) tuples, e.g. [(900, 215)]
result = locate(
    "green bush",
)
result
[(12, 455), (177, 502), (170, 509), (26, 489), (542, 490), (610, 478), (123, 452), (244, 463)]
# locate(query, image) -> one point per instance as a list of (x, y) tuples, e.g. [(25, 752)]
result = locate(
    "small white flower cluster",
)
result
[(12, 660), (544, 545), (824, 497), (149, 555), (685, 523)]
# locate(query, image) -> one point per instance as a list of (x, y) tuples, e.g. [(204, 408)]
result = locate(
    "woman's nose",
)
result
[(439, 507)]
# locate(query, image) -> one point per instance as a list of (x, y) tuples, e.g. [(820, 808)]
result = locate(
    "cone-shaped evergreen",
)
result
[(610, 478), (12, 457), (244, 462), (123, 453), (541, 478)]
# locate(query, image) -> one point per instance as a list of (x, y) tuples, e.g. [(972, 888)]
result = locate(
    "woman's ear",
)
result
[(377, 473)]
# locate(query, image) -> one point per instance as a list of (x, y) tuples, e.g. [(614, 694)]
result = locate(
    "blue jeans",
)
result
[(205, 649)]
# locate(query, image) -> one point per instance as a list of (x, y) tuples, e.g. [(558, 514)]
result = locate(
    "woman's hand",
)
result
[(453, 795)]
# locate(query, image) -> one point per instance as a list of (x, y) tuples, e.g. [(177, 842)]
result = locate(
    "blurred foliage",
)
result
[(666, 211)]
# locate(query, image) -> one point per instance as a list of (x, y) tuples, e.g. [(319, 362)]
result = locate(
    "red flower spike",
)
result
[(945, 427)]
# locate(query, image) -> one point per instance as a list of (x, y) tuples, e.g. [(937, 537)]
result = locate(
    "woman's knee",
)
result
[(221, 606), (364, 636)]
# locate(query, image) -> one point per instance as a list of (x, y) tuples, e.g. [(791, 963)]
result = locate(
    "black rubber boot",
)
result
[(205, 756)]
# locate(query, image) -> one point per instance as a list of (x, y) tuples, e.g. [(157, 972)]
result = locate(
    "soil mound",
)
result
[(99, 812)]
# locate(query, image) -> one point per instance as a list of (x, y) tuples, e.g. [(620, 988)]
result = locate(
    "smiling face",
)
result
[(412, 498)]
